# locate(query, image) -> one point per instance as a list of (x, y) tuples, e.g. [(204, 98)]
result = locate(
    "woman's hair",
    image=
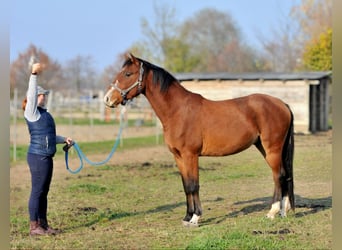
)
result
[(23, 104)]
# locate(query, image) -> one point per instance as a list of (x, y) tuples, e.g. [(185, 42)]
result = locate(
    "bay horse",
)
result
[(194, 126)]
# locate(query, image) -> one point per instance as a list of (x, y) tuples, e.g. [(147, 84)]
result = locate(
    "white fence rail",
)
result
[(88, 107)]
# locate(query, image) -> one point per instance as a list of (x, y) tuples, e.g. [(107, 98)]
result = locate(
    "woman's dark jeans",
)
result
[(41, 168)]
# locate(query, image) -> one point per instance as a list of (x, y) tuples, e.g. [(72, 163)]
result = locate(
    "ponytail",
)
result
[(23, 104)]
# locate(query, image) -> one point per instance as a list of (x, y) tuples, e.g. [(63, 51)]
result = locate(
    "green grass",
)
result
[(140, 206), (240, 239), (88, 188)]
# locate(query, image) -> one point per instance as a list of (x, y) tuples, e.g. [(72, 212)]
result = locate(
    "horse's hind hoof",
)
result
[(189, 224), (271, 217)]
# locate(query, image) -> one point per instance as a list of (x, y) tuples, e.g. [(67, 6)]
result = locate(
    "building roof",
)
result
[(317, 75)]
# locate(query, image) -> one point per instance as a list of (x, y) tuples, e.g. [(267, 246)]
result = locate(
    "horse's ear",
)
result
[(131, 57)]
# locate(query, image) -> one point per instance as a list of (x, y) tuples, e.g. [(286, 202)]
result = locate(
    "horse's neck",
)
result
[(167, 103)]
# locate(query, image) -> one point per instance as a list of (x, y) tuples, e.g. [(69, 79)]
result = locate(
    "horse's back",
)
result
[(260, 99), (258, 107), (231, 126)]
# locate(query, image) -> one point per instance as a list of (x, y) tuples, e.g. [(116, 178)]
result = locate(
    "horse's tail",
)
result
[(287, 157)]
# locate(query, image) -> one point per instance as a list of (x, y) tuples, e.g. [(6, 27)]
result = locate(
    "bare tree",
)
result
[(210, 30), (214, 36), (236, 57), (281, 51), (305, 22), (20, 70), (208, 42), (110, 71), (157, 34), (80, 74), (314, 18)]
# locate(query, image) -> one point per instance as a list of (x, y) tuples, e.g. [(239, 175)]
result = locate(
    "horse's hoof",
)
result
[(283, 214), (270, 216), (189, 224)]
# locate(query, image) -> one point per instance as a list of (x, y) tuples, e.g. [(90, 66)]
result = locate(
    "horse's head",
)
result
[(127, 84)]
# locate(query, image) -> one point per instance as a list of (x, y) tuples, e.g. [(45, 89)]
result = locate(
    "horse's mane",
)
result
[(160, 75)]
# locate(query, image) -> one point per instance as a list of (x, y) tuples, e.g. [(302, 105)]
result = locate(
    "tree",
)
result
[(215, 39), (196, 44), (299, 28), (155, 46), (21, 69), (318, 54), (110, 71), (282, 50), (237, 58), (282, 53), (80, 74), (163, 45), (315, 20), (178, 58), (314, 17)]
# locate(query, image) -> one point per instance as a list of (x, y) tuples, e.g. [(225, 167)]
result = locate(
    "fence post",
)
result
[(90, 108), (15, 105), (49, 100), (102, 106)]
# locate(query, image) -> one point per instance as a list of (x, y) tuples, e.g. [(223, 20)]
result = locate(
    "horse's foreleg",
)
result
[(188, 168), (189, 206), (194, 210)]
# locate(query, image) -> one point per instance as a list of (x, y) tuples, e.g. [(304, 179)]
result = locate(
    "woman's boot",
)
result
[(44, 224), (36, 229)]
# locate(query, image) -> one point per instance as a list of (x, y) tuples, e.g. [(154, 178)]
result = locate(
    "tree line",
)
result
[(209, 41)]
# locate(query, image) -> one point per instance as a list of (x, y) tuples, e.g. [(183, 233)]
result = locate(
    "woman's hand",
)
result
[(37, 68), (68, 140)]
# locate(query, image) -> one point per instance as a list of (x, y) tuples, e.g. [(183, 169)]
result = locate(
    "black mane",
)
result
[(160, 75)]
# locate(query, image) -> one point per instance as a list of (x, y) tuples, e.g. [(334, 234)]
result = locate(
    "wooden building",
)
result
[(307, 93)]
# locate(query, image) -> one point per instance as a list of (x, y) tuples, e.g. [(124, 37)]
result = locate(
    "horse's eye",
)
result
[(127, 74)]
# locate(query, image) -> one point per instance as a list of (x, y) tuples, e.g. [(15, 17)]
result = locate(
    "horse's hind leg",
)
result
[(273, 158), (274, 161)]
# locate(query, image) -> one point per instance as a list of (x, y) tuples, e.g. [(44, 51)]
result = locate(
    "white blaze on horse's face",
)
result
[(110, 99)]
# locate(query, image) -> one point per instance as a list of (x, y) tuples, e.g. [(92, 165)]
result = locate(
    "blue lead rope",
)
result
[(82, 156)]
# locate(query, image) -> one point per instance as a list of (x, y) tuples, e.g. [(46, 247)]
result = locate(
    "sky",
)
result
[(102, 29)]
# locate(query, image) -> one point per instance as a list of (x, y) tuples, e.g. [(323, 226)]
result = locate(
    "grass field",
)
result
[(137, 202)]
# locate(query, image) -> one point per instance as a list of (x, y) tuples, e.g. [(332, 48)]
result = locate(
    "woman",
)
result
[(42, 148)]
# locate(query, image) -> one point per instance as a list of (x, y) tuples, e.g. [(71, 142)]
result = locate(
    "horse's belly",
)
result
[(221, 145)]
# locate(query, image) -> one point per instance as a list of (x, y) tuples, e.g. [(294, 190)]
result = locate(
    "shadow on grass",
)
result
[(244, 208), (311, 206), (109, 215), (165, 208)]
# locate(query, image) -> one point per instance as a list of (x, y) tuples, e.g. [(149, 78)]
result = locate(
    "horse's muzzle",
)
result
[(109, 103)]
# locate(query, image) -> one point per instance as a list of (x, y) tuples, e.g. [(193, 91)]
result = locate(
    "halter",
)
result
[(124, 92)]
